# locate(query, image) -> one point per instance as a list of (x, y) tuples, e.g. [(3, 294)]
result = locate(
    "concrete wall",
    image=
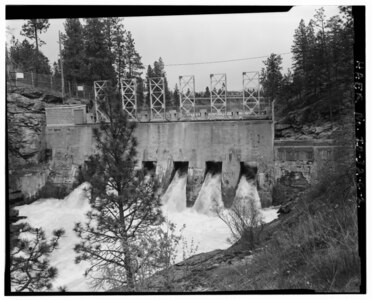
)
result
[(29, 183), (285, 168), (229, 142), (300, 164)]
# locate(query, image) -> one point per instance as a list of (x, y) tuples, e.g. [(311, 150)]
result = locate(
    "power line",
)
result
[(222, 61)]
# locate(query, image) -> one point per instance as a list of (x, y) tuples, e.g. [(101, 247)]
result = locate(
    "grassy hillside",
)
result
[(314, 247)]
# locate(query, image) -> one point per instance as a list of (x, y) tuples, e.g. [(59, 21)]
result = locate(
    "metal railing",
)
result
[(235, 110)]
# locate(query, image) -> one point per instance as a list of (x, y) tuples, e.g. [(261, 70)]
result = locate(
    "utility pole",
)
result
[(61, 62)]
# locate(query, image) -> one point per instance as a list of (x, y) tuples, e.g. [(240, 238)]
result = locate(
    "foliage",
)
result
[(73, 51), (133, 65), (98, 58), (32, 30), (271, 76), (30, 270), (117, 45), (133, 59), (33, 27), (243, 219), (207, 93), (317, 248), (122, 238), (22, 57), (159, 71), (176, 95), (322, 67)]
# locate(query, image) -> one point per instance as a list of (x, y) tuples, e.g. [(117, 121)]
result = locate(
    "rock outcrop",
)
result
[(30, 171), (26, 130)]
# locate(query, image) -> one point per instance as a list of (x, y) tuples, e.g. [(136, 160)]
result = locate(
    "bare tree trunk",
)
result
[(36, 57), (126, 251), (128, 265)]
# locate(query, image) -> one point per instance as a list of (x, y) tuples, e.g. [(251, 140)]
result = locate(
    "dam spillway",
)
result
[(193, 146)]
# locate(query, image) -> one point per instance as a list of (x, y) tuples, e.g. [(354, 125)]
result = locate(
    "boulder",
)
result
[(52, 98), (17, 103), (31, 94)]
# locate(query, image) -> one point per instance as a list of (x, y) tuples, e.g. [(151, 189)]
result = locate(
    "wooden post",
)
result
[(51, 81), (61, 60), (69, 88), (32, 79)]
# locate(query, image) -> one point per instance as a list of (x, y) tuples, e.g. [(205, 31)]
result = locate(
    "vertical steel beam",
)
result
[(251, 92), (218, 92), (129, 96), (187, 95), (157, 98), (100, 96)]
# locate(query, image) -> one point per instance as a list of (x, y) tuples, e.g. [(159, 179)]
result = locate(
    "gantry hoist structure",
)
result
[(248, 104)]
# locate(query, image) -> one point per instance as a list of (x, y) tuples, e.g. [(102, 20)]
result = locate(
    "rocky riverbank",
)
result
[(31, 171)]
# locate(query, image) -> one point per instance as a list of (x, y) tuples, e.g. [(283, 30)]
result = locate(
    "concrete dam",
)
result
[(232, 148), (232, 136)]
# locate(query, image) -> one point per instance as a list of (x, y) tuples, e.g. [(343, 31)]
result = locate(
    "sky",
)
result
[(203, 38)]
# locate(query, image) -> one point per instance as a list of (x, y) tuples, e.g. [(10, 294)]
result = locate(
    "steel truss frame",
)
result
[(187, 95), (157, 97), (100, 96), (218, 92), (251, 85), (129, 96)]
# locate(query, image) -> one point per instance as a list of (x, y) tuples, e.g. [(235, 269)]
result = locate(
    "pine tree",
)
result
[(118, 48), (176, 95), (22, 57), (207, 93), (271, 76), (321, 37), (140, 92), (57, 69), (133, 59), (300, 51), (286, 88), (322, 60), (73, 51), (313, 67), (32, 29), (149, 74), (30, 270), (134, 66), (159, 71), (98, 57), (125, 215)]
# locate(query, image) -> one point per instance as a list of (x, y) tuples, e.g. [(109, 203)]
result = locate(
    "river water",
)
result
[(204, 231)]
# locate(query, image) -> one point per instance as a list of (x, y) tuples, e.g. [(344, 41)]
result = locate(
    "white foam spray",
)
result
[(203, 229), (209, 195), (51, 214), (247, 191), (206, 230), (175, 195)]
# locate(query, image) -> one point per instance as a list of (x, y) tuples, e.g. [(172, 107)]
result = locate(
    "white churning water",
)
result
[(206, 230), (51, 214)]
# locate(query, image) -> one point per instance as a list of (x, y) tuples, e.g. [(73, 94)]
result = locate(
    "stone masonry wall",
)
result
[(300, 164)]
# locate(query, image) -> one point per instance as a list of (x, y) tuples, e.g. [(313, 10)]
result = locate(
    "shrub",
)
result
[(316, 246), (244, 221)]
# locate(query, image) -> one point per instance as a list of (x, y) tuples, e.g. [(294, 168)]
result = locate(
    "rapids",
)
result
[(204, 230)]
